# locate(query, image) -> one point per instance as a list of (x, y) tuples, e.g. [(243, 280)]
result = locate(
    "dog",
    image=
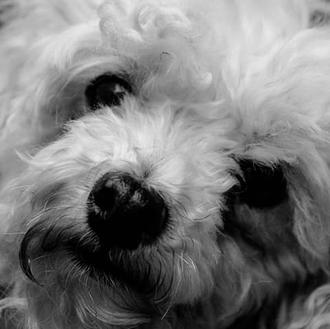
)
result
[(164, 164)]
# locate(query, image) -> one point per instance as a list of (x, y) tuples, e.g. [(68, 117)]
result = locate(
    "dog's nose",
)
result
[(124, 213)]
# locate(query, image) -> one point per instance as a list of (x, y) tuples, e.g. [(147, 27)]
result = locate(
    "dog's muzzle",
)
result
[(125, 213)]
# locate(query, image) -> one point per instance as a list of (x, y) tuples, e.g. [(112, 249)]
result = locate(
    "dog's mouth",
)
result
[(120, 268), (124, 217), (134, 269)]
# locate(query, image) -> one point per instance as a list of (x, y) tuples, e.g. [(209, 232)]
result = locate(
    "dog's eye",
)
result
[(262, 186), (107, 90)]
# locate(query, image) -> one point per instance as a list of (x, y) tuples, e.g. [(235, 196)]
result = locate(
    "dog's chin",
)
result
[(141, 271), (117, 267)]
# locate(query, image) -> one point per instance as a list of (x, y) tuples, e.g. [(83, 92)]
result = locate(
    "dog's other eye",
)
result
[(262, 186), (107, 90)]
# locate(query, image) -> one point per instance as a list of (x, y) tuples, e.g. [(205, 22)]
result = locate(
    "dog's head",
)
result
[(182, 170)]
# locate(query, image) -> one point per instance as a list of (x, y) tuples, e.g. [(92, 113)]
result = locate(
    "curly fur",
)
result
[(228, 120)]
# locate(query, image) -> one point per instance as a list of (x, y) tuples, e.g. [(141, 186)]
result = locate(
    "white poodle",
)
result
[(164, 164)]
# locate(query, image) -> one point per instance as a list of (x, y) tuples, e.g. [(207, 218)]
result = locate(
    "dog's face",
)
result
[(123, 208), (173, 178)]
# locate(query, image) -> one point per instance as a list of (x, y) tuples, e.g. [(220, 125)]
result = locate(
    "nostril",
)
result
[(107, 192), (125, 213)]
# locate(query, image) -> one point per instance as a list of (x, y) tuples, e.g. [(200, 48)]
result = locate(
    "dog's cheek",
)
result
[(310, 201)]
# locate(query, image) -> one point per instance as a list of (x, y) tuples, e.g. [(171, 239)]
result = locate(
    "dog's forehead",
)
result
[(164, 38), (185, 47)]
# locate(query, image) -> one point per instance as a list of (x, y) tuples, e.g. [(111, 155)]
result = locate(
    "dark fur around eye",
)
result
[(107, 90), (261, 186)]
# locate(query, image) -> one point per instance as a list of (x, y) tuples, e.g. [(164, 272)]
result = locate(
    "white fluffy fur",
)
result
[(215, 81)]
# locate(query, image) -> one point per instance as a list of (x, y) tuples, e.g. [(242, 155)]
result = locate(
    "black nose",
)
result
[(124, 213)]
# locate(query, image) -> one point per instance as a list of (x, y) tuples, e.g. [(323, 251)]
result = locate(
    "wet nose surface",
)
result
[(124, 213)]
